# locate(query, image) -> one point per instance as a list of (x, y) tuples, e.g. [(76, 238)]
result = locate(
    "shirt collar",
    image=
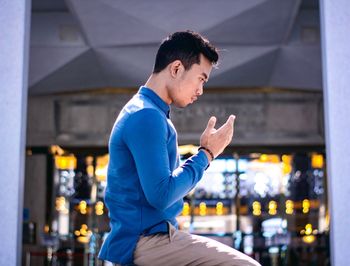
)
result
[(155, 99)]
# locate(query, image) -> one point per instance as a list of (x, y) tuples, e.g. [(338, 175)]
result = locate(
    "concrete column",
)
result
[(14, 46), (335, 32)]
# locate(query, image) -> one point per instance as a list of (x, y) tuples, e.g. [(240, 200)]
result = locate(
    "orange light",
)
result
[(317, 160), (57, 150), (46, 228), (66, 162)]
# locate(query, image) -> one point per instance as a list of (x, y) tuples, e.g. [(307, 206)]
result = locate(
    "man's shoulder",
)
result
[(141, 106)]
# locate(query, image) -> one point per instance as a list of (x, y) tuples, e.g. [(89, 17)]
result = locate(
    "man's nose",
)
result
[(200, 91)]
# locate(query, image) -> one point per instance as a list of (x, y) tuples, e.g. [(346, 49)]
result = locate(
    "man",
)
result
[(146, 184)]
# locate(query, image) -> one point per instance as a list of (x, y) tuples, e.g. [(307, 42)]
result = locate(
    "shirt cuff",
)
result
[(203, 159)]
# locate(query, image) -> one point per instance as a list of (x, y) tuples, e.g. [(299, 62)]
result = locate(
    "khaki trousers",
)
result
[(180, 248)]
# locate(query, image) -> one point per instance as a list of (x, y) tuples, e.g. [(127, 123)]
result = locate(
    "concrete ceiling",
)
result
[(91, 44)]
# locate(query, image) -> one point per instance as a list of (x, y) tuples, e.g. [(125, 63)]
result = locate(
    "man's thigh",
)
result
[(180, 248)]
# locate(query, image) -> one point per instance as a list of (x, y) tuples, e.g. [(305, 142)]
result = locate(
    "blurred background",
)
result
[(266, 195)]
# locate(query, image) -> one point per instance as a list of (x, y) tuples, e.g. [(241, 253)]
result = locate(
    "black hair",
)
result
[(186, 46)]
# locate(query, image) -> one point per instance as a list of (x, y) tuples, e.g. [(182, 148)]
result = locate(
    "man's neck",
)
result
[(156, 82)]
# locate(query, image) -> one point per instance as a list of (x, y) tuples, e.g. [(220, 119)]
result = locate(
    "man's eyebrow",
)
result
[(205, 76)]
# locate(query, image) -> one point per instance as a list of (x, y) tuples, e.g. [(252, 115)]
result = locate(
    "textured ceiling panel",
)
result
[(298, 67), (101, 43), (180, 15), (234, 56), (254, 72), (127, 66), (55, 29), (46, 60), (84, 72), (107, 26), (267, 23)]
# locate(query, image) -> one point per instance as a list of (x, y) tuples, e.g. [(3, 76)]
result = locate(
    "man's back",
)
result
[(136, 204)]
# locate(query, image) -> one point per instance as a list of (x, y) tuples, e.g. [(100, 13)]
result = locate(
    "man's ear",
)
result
[(176, 68)]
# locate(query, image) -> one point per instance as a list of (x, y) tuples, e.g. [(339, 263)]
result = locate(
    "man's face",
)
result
[(190, 83)]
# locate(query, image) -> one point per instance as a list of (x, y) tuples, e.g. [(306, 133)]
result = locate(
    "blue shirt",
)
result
[(145, 184)]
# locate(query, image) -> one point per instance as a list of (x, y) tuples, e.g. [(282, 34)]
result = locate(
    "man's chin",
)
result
[(181, 105)]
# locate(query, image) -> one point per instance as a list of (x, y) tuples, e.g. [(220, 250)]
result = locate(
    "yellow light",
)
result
[(271, 158), (219, 208), (83, 239), (101, 167), (287, 166), (287, 159), (309, 239), (202, 209), (99, 208), (188, 149), (57, 150), (263, 157), (306, 206), (83, 234), (66, 162), (186, 209), (308, 229), (90, 170), (61, 205), (256, 208), (272, 207), (317, 160), (289, 207), (326, 220), (82, 207)]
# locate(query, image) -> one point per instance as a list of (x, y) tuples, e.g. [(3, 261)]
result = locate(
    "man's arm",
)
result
[(146, 136)]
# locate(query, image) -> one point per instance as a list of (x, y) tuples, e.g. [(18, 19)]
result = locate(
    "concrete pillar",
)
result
[(335, 32), (14, 49)]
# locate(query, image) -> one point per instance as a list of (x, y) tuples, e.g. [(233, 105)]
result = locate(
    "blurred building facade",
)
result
[(87, 58)]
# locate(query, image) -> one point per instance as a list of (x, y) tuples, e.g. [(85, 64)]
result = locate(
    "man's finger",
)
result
[(228, 126), (211, 124), (231, 120)]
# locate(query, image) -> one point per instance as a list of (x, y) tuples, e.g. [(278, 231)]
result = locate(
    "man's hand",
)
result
[(216, 140)]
